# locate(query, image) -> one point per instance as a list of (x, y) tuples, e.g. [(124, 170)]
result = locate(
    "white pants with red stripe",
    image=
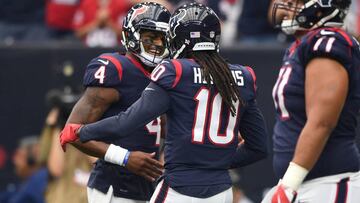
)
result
[(165, 194), (341, 188), (95, 196)]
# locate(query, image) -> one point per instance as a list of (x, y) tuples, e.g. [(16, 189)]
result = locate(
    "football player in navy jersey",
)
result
[(113, 82), (207, 101), (317, 99)]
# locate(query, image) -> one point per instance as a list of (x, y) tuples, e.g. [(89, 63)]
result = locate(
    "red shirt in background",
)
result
[(101, 36), (59, 14), (86, 12)]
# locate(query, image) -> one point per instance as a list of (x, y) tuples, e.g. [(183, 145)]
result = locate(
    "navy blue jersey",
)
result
[(202, 137), (340, 153), (129, 78)]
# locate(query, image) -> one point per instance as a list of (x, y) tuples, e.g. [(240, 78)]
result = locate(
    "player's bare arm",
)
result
[(326, 88), (90, 108)]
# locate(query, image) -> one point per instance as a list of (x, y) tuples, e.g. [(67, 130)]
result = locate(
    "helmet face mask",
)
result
[(193, 27), (283, 16), (153, 47), (146, 17), (303, 15)]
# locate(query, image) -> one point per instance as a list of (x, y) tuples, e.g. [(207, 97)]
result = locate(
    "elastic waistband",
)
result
[(332, 179)]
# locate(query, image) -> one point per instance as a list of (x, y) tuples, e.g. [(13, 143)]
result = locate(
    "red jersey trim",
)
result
[(253, 75), (178, 71), (294, 46), (116, 63), (138, 65), (344, 34)]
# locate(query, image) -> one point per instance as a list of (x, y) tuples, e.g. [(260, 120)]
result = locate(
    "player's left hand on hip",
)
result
[(283, 194), (145, 165), (69, 134)]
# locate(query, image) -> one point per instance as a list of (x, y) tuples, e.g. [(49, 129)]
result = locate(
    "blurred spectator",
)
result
[(352, 20), (59, 16), (27, 168), (22, 20), (166, 3), (177, 3), (253, 25), (245, 21), (69, 172), (232, 10), (98, 22)]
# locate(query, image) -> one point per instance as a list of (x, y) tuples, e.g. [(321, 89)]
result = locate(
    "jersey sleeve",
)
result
[(249, 77), (336, 45), (103, 71), (167, 74), (137, 115), (253, 131)]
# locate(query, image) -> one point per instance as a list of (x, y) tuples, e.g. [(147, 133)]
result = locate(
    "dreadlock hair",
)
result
[(216, 69)]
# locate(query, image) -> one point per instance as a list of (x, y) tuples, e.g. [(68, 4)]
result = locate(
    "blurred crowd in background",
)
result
[(97, 23), (39, 160)]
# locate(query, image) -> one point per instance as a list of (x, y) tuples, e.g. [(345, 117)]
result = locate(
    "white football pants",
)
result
[(341, 188), (164, 194), (95, 196)]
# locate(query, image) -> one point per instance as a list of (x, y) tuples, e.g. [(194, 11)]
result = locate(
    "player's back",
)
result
[(129, 78), (202, 134), (340, 153)]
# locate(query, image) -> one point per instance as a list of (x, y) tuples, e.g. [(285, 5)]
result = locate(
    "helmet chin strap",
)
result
[(150, 59), (178, 52), (124, 40)]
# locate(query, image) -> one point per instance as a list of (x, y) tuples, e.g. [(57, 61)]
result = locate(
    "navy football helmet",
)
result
[(145, 16), (310, 14), (193, 27)]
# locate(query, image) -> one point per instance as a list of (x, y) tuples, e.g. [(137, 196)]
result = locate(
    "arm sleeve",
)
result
[(165, 75), (253, 131), (153, 102)]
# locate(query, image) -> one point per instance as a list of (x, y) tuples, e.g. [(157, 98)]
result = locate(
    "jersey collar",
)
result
[(138, 65)]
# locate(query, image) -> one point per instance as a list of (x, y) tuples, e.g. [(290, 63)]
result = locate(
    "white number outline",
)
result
[(278, 91), (100, 74), (328, 46), (201, 119), (157, 72), (154, 128)]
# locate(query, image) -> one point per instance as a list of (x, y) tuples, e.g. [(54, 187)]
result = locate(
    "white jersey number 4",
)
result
[(100, 74), (154, 128)]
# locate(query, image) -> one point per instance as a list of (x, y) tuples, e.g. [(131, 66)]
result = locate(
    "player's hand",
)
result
[(145, 165), (283, 195), (69, 134), (241, 140)]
